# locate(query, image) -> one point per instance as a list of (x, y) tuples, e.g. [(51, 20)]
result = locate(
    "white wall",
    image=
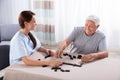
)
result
[(71, 13), (10, 9)]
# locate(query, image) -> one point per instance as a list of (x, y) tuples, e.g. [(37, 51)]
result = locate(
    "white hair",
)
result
[(94, 19)]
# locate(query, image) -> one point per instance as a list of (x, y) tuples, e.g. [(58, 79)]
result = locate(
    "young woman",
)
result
[(24, 43)]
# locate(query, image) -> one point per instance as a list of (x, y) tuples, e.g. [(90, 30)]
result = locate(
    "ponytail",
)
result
[(33, 39)]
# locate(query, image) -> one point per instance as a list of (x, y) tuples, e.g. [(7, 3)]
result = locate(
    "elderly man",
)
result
[(86, 40)]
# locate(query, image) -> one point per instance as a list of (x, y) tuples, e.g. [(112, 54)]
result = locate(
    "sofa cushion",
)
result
[(8, 31)]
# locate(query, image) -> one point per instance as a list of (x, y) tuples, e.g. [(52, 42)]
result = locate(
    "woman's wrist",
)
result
[(47, 51)]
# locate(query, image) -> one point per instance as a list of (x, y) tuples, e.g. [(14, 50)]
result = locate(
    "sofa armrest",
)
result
[(0, 32), (4, 56), (1, 78)]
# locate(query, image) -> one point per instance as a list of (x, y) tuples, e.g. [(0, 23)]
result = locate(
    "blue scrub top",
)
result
[(21, 45)]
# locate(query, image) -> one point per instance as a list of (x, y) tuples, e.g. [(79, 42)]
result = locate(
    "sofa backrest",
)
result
[(7, 31)]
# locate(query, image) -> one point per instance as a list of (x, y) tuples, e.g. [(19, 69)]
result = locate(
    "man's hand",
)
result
[(58, 53), (63, 45), (88, 57)]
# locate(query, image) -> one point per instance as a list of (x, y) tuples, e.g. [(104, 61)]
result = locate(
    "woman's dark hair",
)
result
[(27, 16)]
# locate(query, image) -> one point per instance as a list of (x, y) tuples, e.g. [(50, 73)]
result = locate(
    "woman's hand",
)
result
[(50, 52), (54, 63)]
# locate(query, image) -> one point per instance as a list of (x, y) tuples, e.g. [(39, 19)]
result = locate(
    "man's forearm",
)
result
[(100, 55), (64, 44)]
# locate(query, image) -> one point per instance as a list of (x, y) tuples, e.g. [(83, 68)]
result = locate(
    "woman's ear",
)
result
[(25, 23)]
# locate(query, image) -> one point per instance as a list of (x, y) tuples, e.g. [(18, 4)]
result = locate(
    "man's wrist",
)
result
[(94, 56), (60, 49)]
